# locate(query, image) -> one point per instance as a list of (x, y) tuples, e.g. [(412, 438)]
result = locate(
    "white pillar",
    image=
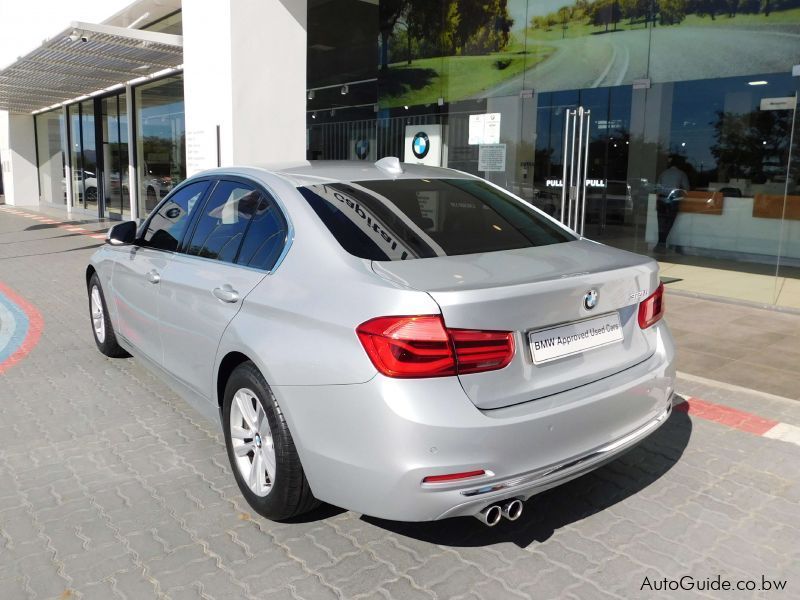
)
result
[(244, 72), (18, 149)]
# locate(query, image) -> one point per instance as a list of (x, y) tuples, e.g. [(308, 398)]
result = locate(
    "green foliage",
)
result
[(428, 28)]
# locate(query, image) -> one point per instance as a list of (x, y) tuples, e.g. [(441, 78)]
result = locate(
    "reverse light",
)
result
[(421, 346), (651, 309), (453, 476)]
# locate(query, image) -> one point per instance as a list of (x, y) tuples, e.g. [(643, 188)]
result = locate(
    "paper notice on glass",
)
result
[(476, 129), (491, 128), (492, 157), (484, 129)]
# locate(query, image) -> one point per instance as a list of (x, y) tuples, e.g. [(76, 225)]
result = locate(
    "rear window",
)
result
[(422, 218)]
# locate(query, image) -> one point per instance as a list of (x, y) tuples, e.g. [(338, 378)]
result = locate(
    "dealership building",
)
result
[(653, 129)]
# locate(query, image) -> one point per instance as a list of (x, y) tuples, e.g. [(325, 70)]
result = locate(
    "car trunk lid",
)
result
[(533, 289)]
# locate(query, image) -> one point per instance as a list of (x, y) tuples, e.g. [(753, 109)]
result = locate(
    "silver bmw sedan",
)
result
[(408, 342)]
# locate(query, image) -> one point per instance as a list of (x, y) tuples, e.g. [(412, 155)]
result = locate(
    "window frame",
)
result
[(214, 180)]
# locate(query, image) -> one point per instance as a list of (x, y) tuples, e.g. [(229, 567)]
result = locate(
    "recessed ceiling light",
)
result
[(759, 82)]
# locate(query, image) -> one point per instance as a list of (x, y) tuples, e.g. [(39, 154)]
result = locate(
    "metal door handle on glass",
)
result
[(226, 293), (576, 162)]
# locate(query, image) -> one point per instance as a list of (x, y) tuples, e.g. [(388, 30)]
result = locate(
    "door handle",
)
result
[(153, 276), (226, 293)]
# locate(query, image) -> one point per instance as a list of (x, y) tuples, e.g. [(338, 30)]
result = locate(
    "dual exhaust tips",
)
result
[(491, 515)]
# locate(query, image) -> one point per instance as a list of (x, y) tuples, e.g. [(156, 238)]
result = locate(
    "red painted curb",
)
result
[(737, 419), (35, 327)]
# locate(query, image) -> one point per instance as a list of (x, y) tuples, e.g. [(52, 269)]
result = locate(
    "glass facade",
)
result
[(684, 152), (160, 139), (83, 150), (93, 140)]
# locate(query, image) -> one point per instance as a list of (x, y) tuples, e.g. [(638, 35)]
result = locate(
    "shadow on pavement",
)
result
[(553, 509), (40, 226)]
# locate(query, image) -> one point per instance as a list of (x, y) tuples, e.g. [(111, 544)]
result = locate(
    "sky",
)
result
[(25, 24)]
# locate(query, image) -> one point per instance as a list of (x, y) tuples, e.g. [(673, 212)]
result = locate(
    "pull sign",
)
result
[(785, 103)]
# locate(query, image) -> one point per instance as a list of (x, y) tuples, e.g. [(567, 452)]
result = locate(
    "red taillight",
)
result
[(478, 351), (452, 476), (421, 346), (651, 309)]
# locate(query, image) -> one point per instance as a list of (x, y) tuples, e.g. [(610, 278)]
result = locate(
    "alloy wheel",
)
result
[(98, 318), (251, 439)]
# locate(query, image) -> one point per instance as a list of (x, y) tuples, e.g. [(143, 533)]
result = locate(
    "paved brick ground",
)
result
[(111, 487)]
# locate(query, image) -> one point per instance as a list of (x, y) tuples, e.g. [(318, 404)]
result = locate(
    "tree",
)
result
[(672, 12), (605, 12), (389, 12)]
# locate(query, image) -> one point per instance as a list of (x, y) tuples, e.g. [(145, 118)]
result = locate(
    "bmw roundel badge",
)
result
[(421, 144), (590, 299), (362, 149)]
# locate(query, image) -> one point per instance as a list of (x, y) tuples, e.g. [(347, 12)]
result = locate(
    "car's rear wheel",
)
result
[(103, 331), (261, 451)]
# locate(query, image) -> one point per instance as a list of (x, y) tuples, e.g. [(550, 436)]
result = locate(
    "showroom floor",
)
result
[(112, 487)]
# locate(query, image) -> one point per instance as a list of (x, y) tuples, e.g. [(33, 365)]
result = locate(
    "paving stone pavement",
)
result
[(112, 487)]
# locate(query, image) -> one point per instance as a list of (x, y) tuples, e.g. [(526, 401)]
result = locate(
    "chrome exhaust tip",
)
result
[(490, 515), (512, 510)]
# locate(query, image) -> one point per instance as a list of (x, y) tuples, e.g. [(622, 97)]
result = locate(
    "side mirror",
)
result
[(122, 233)]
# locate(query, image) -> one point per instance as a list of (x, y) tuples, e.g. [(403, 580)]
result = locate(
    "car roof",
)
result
[(328, 171)]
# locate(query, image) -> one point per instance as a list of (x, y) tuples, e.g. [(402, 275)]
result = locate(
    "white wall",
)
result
[(18, 149), (244, 71)]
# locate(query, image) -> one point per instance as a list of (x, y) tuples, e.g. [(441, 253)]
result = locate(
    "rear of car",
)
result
[(527, 357)]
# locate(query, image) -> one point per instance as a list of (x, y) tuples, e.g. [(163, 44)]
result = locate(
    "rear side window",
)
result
[(225, 217), (265, 238), (166, 227), (420, 218)]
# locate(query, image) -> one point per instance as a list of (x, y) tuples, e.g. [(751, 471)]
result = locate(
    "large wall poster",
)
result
[(463, 49)]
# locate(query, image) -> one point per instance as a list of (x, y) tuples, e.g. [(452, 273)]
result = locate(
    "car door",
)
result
[(236, 239), (138, 272)]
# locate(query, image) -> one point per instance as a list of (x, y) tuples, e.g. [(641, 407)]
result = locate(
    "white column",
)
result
[(18, 149), (244, 71)]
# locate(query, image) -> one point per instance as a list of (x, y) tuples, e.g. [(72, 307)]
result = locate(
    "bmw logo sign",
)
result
[(420, 145), (362, 149), (590, 299)]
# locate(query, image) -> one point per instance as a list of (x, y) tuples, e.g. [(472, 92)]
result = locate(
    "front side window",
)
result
[(166, 227), (422, 218), (224, 220)]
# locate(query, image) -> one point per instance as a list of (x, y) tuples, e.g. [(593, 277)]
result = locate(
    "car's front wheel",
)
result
[(104, 335), (261, 449)]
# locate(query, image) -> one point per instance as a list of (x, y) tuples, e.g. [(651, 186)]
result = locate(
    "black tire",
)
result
[(290, 494), (108, 345), (91, 194)]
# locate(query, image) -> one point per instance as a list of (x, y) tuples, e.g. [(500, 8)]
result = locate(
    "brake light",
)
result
[(421, 346), (651, 309)]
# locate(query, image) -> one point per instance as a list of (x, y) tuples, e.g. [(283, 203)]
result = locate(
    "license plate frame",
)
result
[(575, 337)]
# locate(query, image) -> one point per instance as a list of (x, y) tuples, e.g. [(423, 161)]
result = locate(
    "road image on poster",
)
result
[(501, 47)]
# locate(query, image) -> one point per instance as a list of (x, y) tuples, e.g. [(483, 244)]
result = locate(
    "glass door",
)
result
[(787, 281), (115, 156), (581, 164), (83, 151)]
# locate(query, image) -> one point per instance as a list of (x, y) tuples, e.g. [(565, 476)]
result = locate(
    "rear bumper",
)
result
[(367, 447)]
